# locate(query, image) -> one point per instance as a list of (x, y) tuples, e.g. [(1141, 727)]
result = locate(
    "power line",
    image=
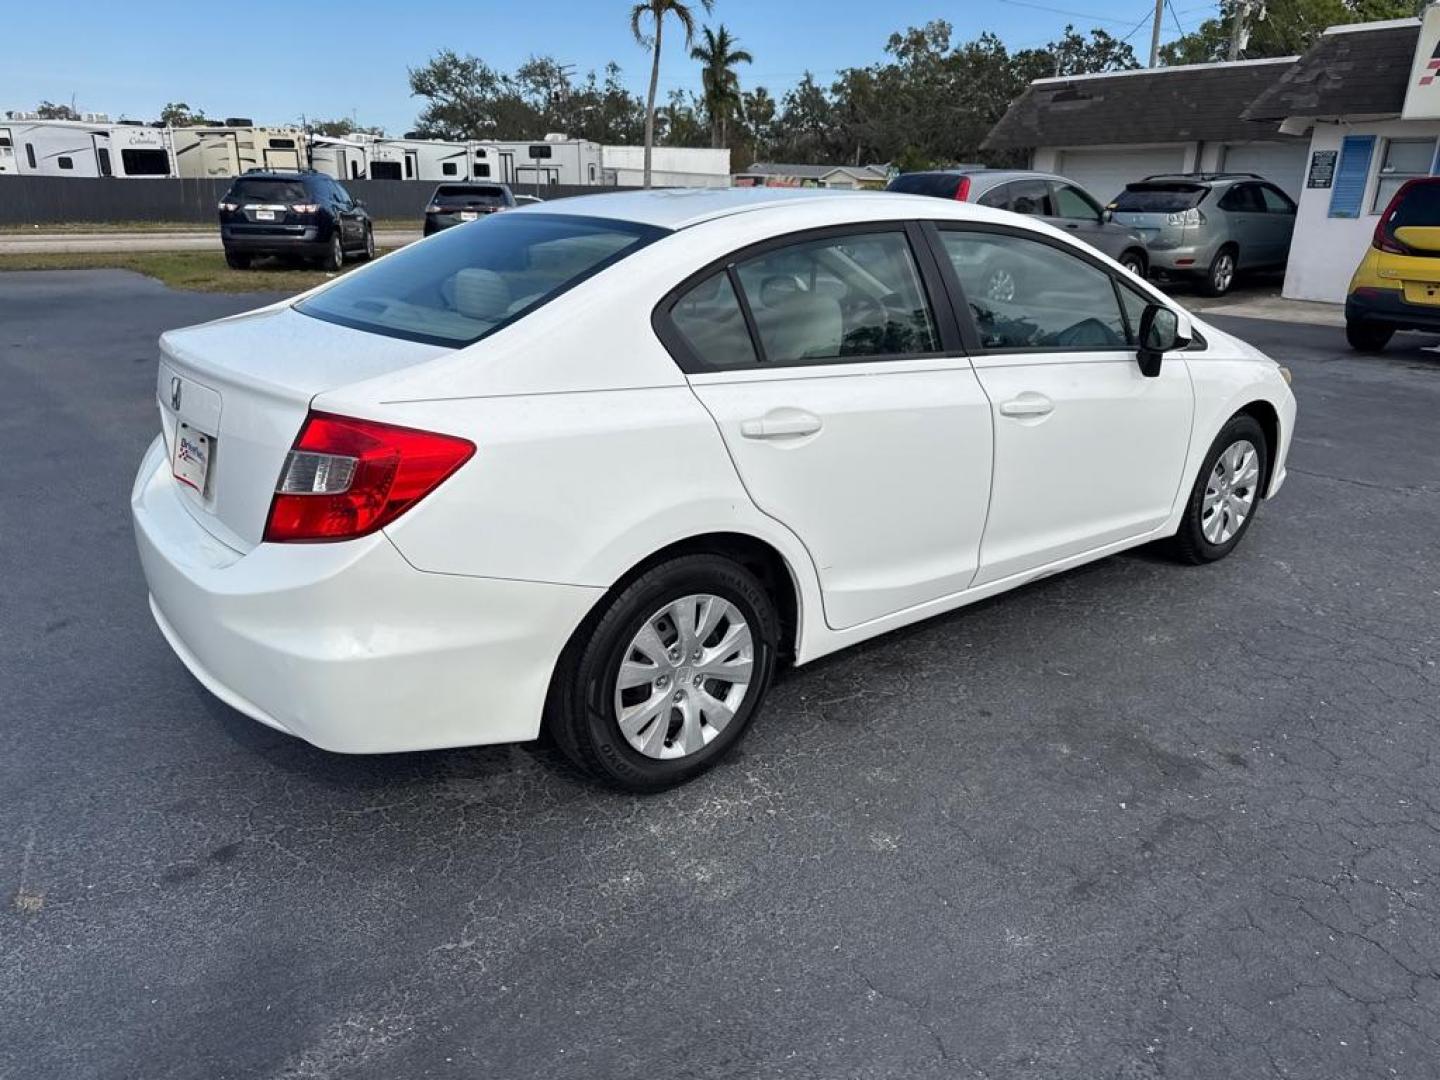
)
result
[(1065, 11)]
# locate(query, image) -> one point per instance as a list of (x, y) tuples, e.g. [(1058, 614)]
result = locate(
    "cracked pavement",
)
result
[(1135, 821)]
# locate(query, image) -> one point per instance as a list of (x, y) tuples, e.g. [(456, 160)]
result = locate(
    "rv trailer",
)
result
[(418, 159), (551, 160), (343, 159), (230, 151)]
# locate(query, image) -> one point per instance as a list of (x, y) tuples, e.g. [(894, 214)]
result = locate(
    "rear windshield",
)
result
[(1418, 207), (1159, 198), (921, 183), (462, 284), (462, 195), (255, 189)]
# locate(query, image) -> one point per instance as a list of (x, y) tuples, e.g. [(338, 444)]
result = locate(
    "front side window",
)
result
[(1024, 294), (463, 284), (1243, 199), (1074, 204), (1404, 159), (841, 297)]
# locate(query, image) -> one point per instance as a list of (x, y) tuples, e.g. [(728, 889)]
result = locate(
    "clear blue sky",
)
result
[(273, 59)]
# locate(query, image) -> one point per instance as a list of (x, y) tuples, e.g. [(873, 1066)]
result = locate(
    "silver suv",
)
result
[(1063, 203), (1209, 226)]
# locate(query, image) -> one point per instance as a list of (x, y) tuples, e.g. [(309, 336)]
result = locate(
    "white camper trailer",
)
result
[(344, 159), (231, 150), (80, 148), (418, 159), (551, 160)]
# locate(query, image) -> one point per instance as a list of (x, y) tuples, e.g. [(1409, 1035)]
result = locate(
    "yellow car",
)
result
[(1397, 284)]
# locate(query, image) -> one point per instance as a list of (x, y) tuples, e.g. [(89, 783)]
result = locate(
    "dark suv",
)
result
[(453, 204), (301, 212)]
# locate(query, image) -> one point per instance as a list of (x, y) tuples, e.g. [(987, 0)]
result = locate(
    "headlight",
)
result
[(1284, 373)]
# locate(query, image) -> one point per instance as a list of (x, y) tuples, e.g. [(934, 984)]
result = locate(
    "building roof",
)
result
[(1152, 105), (1358, 70), (814, 172)]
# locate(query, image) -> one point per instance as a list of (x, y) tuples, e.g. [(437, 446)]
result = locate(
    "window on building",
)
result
[(1404, 159)]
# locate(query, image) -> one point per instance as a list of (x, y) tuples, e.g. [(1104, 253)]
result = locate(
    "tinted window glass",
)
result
[(1243, 198), (1074, 204), (104, 156), (468, 195), (1419, 208), (449, 168), (4, 140), (998, 197), (145, 162), (465, 283), (711, 322), (1027, 295), (1276, 201), (30, 154), (1134, 306), (385, 170), (1030, 197), (65, 163), (282, 144), (923, 183), (846, 296), (263, 190), (1159, 198)]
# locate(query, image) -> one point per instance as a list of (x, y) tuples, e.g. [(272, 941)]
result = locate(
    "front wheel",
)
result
[(236, 260), (655, 689), (369, 252), (1134, 262), (1226, 494), (1368, 336)]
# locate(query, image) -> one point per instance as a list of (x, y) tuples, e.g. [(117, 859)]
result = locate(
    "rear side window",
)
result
[(841, 297), (463, 284), (710, 321), (940, 184), (1243, 198), (1024, 294), (254, 189), (1159, 198)]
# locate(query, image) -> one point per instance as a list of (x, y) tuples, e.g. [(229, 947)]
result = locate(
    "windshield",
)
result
[(1413, 222), (1159, 198), (462, 284), (926, 183), (462, 195), (254, 189)]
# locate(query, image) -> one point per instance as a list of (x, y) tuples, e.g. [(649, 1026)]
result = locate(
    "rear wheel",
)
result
[(1226, 494), (369, 252), (656, 688), (1368, 336), (236, 260), (334, 257), (1134, 261), (1221, 274)]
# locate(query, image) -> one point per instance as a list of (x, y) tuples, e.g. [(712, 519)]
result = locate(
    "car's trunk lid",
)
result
[(241, 387)]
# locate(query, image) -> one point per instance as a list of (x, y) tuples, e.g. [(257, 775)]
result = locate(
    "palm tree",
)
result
[(722, 85), (656, 10)]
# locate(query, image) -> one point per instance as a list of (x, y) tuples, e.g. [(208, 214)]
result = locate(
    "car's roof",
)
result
[(680, 208)]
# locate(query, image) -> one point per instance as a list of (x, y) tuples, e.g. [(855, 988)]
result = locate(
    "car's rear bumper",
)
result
[(1188, 259), (347, 645), (304, 240), (1387, 307)]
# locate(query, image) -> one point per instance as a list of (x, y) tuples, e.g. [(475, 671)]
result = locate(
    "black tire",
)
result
[(1135, 262), (1368, 336), (368, 252), (1190, 543), (580, 712), (237, 260), (334, 258), (1221, 273)]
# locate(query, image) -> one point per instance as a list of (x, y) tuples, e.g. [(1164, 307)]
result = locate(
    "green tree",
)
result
[(48, 110), (179, 114), (463, 96), (656, 11), (1288, 27), (719, 54), (342, 128), (757, 113)]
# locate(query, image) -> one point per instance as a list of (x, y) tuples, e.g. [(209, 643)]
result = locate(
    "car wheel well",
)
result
[(1139, 253), (1269, 421)]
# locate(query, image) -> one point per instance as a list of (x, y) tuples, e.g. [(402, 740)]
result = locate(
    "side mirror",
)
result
[(359, 204), (1107, 215), (1162, 330)]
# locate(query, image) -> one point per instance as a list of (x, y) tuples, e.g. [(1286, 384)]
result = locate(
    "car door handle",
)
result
[(1027, 404), (780, 424)]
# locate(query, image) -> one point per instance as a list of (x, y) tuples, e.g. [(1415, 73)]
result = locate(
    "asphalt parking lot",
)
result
[(1135, 821)]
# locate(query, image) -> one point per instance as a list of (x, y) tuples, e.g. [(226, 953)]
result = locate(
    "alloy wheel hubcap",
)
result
[(1230, 492), (684, 676), (1224, 271)]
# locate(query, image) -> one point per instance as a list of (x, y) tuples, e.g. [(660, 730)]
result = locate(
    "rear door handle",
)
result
[(1027, 404), (780, 424)]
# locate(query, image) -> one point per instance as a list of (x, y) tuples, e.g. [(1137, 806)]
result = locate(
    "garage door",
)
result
[(1104, 173), (1283, 164)]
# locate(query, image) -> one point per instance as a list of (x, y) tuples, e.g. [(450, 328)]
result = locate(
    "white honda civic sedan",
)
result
[(597, 466)]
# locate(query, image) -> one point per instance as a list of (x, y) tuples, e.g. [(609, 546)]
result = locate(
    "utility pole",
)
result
[(1237, 28), (1155, 33)]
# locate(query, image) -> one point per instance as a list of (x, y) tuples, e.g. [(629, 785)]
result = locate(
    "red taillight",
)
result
[(347, 478), (962, 189)]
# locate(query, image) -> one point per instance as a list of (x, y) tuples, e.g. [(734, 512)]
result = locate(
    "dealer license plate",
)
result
[(264, 215), (190, 458), (468, 215)]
